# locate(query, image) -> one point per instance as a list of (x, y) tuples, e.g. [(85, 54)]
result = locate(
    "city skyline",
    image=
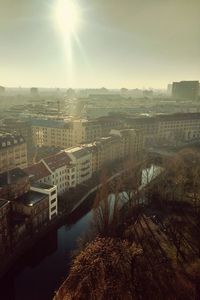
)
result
[(129, 44)]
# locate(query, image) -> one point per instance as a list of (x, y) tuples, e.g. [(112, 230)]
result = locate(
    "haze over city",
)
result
[(99, 149), (130, 43)]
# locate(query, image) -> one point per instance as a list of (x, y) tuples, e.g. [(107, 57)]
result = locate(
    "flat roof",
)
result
[(50, 123), (31, 198), (42, 185), (12, 176), (78, 152)]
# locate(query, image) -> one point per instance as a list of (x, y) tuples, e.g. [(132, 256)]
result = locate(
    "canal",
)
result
[(39, 273)]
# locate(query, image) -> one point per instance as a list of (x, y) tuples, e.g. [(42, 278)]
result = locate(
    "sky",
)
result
[(129, 43)]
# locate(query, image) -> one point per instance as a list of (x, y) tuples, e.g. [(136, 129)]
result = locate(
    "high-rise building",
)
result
[(34, 91), (185, 90)]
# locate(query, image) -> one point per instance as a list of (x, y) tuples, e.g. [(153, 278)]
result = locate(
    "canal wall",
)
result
[(94, 189), (28, 242)]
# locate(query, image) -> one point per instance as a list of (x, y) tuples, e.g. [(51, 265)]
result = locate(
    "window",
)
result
[(53, 193), (53, 201), (54, 214), (53, 208)]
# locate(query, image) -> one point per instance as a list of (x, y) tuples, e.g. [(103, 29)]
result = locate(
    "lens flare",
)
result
[(67, 15)]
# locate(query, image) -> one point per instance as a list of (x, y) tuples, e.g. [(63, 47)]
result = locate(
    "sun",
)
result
[(67, 15)]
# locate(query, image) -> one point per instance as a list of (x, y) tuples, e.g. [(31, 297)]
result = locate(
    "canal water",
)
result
[(39, 273)]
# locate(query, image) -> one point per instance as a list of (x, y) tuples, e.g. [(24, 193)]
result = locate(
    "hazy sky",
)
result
[(119, 43)]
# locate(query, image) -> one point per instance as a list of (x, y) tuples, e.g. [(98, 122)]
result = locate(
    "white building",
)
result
[(51, 191), (81, 158), (62, 171), (54, 170)]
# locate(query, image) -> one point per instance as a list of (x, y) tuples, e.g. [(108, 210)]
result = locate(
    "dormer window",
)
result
[(3, 144), (8, 143)]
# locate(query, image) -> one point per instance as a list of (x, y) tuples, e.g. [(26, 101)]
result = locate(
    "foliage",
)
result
[(102, 271), (139, 257)]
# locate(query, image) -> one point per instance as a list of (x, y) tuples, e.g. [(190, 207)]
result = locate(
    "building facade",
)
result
[(81, 158), (21, 127), (72, 132), (167, 129), (185, 90), (56, 170), (5, 211), (13, 151), (51, 191), (53, 133), (35, 207), (13, 184)]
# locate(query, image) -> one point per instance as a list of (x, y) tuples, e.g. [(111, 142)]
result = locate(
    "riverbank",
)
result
[(67, 205), (145, 253)]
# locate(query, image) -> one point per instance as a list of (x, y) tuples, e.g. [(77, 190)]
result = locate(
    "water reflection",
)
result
[(41, 271)]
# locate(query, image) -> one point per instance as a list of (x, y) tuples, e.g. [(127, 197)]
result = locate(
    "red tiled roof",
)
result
[(38, 171), (57, 161)]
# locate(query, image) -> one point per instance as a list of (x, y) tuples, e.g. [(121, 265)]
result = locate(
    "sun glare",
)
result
[(67, 15)]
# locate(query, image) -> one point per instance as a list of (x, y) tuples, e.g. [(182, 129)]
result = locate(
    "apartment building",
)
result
[(120, 145), (21, 127), (13, 184), (51, 191), (72, 132), (104, 151), (93, 130), (27, 208), (38, 172), (57, 133), (5, 210), (184, 127), (81, 158), (57, 170), (132, 141), (185, 90), (13, 151), (78, 131), (167, 129), (100, 127), (65, 170), (35, 207), (75, 165), (62, 171)]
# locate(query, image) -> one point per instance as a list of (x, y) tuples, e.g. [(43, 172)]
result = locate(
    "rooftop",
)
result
[(9, 140), (31, 198), (12, 176), (57, 161), (37, 171), (50, 123), (163, 117), (42, 185), (78, 152)]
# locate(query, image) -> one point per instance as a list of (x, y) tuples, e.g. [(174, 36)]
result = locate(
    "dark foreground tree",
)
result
[(111, 269), (101, 271)]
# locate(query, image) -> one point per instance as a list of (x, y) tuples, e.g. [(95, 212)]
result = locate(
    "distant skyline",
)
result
[(129, 43)]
